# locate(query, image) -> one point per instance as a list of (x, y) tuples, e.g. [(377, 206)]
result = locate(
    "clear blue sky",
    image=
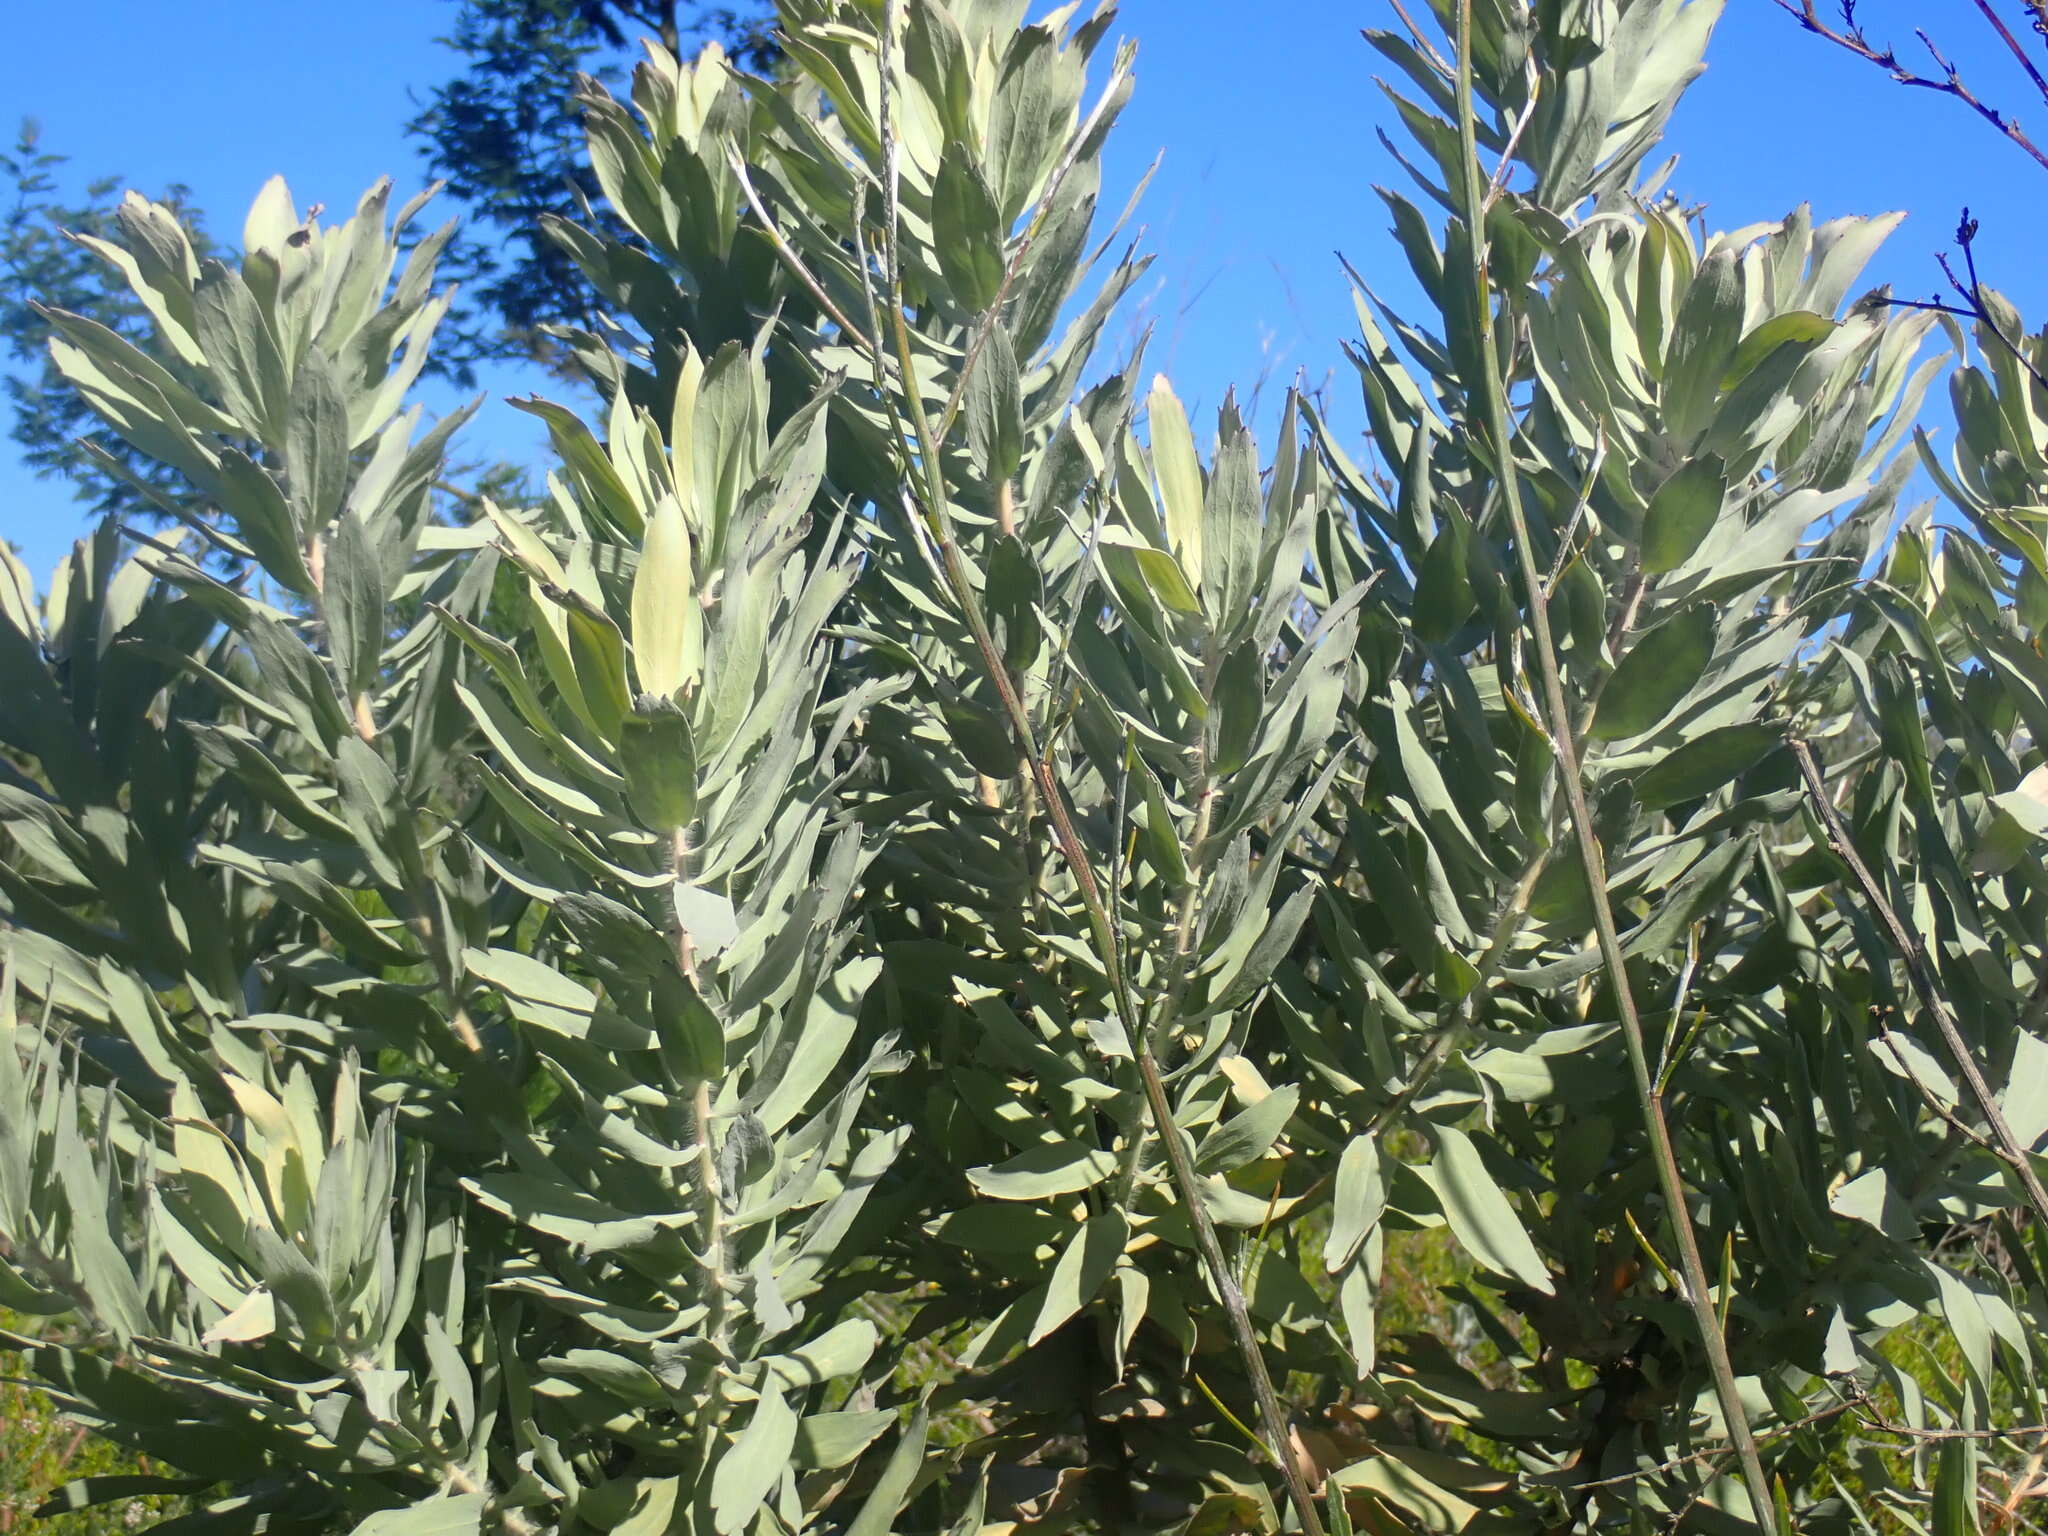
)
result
[(1266, 111)]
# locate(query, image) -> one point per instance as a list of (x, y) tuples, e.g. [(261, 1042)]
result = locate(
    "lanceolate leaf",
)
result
[(1481, 1214), (1180, 478), (969, 233), (1657, 671), (1681, 514)]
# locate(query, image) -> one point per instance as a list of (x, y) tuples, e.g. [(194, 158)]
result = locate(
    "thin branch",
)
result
[(1716, 1452), (783, 249), (1973, 306), (1671, 1183), (1949, 82), (1877, 1421), (2026, 62), (2009, 1149)]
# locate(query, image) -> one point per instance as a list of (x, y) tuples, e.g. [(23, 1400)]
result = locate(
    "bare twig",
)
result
[(1974, 306), (1879, 1422), (1717, 1452), (783, 249), (1947, 81)]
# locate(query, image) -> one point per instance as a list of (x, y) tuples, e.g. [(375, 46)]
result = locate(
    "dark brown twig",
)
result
[(1851, 37), (1974, 306)]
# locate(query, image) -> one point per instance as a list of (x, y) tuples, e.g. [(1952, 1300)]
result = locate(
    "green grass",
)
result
[(41, 1450)]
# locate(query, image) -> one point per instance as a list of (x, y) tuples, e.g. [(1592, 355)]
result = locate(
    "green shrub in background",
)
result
[(923, 946), (41, 1452)]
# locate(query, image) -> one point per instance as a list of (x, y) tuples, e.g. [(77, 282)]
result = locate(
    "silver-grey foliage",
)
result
[(899, 952)]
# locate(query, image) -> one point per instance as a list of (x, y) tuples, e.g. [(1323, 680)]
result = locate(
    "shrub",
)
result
[(900, 953)]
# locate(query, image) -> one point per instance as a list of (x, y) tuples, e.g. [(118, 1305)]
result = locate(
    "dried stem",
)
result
[(1947, 82)]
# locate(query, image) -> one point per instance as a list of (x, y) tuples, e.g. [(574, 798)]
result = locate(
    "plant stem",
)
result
[(1186, 1184), (1670, 1182), (923, 458), (710, 1198), (2008, 1149), (1272, 1417)]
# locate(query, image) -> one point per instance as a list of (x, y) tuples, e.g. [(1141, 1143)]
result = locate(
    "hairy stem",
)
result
[(710, 1197)]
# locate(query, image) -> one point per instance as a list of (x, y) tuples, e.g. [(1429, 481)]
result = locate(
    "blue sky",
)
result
[(1266, 113)]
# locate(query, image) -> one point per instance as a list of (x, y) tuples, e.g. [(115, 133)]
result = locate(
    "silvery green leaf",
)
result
[(1903, 1056), (242, 354), (1356, 1201), (352, 599), (254, 1319), (2024, 1099), (659, 756), (744, 1155), (843, 1350), (1015, 592), (825, 1440), (968, 232), (1656, 672), (1232, 528), (1706, 334), (668, 620), (707, 917), (1480, 1213), (263, 519), (1239, 704), (316, 446), (1868, 1198), (1249, 1134), (1180, 478), (616, 1373), (1056, 1168), (1705, 763), (1084, 1265), (878, 1511), (1139, 571), (1681, 514), (539, 994), (994, 410)]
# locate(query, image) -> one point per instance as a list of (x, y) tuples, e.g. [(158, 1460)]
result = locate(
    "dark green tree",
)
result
[(47, 258), (506, 136)]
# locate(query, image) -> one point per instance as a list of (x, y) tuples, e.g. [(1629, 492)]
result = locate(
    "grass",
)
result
[(41, 1450)]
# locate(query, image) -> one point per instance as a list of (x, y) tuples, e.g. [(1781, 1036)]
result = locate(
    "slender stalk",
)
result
[(1187, 1186), (2008, 1148), (1170, 995), (1168, 1006), (1272, 1417), (1563, 730), (710, 1197), (923, 459)]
